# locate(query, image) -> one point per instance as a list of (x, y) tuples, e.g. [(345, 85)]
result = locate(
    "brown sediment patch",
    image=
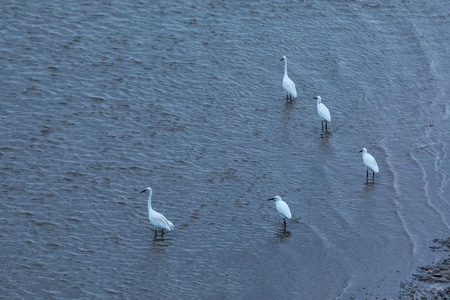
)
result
[(432, 281)]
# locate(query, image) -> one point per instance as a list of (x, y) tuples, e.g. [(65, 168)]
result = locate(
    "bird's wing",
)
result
[(158, 220), (167, 223), (323, 112), (370, 161), (289, 86), (283, 209)]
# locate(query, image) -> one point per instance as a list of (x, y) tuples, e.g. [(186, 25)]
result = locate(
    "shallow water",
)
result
[(101, 99)]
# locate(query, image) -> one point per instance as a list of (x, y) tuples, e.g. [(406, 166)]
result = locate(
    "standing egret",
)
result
[(288, 84), (157, 219), (323, 112), (282, 208), (369, 162)]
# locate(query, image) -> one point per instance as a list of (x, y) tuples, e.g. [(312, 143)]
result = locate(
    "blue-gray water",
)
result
[(100, 99)]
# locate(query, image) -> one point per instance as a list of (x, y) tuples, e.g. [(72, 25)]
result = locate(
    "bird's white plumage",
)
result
[(282, 207), (158, 220), (322, 110), (369, 161), (288, 84)]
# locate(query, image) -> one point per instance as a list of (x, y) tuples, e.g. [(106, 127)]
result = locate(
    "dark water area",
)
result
[(102, 99)]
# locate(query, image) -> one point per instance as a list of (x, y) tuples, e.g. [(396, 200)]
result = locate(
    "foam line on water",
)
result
[(396, 202), (434, 182)]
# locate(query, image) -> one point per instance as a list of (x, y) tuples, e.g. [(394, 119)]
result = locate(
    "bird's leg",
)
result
[(155, 234), (284, 223), (367, 174), (373, 176), (326, 125), (322, 124), (162, 232)]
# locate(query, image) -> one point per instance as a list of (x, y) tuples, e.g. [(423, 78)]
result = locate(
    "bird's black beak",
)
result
[(270, 199), (281, 59), (143, 191), (315, 98), (360, 151)]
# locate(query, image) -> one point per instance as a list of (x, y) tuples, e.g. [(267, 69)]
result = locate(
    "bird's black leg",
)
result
[(326, 125), (367, 175), (155, 234), (322, 124), (373, 176), (162, 232), (284, 223)]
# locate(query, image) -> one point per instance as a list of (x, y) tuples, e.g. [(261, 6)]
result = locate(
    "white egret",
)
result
[(157, 219), (288, 84), (323, 112), (282, 208), (370, 163)]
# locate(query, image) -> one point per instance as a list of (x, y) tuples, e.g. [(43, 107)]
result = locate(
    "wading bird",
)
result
[(282, 209), (288, 84), (370, 163), (323, 112), (157, 219)]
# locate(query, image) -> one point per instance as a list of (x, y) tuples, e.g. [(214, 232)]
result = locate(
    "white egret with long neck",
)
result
[(323, 112), (156, 219), (282, 209), (288, 84), (370, 163)]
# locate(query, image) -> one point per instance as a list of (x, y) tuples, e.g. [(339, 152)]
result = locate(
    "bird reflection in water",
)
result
[(283, 235)]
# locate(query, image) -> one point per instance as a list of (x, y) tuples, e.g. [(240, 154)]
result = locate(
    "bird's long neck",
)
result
[(150, 201), (285, 67)]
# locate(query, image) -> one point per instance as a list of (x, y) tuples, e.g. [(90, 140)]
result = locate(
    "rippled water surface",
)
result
[(100, 99)]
